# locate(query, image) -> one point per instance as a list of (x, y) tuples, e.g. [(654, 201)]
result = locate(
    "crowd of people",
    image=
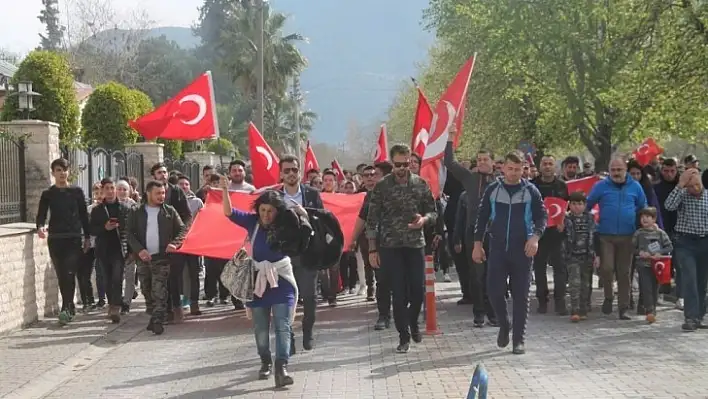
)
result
[(491, 223)]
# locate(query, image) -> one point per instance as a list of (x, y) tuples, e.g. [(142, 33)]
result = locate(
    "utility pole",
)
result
[(260, 98), (296, 98)]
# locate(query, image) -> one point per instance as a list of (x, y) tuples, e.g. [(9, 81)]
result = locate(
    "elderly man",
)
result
[(620, 198), (690, 200)]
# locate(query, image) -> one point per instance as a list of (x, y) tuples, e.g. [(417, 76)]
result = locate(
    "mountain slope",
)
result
[(359, 54)]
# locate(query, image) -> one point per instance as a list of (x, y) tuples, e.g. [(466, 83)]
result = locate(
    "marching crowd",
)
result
[(491, 223)]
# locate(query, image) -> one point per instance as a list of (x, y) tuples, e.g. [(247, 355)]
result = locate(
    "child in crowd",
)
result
[(650, 244), (579, 229)]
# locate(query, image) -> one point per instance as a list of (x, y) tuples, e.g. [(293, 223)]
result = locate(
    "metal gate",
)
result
[(89, 166), (13, 192), (190, 169)]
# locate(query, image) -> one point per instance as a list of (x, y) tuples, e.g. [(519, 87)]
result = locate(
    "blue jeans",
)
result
[(282, 326), (692, 254)]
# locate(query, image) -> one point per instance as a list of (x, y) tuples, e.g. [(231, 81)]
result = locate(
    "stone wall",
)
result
[(29, 290)]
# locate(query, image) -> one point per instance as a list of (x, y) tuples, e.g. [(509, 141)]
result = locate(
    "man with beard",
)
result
[(550, 245), (297, 193), (237, 176), (472, 275), (174, 196), (570, 166), (668, 179), (401, 205)]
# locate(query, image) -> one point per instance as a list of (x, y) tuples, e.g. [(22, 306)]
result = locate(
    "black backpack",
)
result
[(326, 242)]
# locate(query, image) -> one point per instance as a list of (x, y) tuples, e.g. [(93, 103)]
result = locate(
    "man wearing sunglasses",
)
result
[(401, 204), (306, 277)]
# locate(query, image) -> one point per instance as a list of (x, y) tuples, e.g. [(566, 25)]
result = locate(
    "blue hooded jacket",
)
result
[(511, 217), (619, 204)]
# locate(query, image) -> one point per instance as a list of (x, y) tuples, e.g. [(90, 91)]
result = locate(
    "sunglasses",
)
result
[(401, 164), (290, 170), (372, 174)]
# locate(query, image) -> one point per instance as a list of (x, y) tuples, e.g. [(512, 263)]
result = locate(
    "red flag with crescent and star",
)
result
[(212, 234), (662, 269), (555, 207), (310, 159), (381, 153), (450, 109), (337, 169), (421, 125), (264, 162), (646, 152), (190, 115)]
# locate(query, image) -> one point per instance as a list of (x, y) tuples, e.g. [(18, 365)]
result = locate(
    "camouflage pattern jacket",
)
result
[(392, 207)]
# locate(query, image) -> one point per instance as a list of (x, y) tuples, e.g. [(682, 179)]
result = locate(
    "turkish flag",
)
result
[(646, 152), (662, 269), (190, 115), (449, 110), (421, 125), (556, 208), (337, 169), (381, 153), (264, 162), (212, 234), (585, 184), (310, 159), (595, 212)]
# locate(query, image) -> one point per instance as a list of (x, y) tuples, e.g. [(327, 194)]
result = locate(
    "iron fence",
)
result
[(13, 190), (91, 165), (190, 169)]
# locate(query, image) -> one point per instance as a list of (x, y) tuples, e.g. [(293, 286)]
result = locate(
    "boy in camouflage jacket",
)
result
[(579, 229)]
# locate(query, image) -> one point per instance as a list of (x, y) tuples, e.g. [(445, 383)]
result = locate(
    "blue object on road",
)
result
[(480, 381)]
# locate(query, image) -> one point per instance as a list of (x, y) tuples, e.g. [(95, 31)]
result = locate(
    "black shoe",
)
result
[(701, 326), (222, 301), (210, 303), (265, 370), (493, 322), (561, 308), (518, 348), (478, 321), (641, 310), (332, 302), (238, 305), (542, 307), (689, 326), (503, 336), (403, 347), (125, 309), (158, 328), (292, 344), (281, 375), (464, 301), (370, 299), (382, 323), (416, 335), (308, 341), (623, 315), (607, 306), (101, 303), (150, 325), (135, 294)]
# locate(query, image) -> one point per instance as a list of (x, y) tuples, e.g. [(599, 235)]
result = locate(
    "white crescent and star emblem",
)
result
[(200, 102), (643, 149), (556, 210), (336, 171), (266, 155), (659, 265), (438, 146), (310, 165), (422, 138)]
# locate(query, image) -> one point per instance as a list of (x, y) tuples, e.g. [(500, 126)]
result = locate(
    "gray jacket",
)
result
[(654, 241)]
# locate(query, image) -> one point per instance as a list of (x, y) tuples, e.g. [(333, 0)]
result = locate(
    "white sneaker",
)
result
[(446, 278), (362, 290), (679, 304)]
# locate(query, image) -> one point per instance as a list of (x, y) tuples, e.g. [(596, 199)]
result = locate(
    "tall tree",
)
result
[(49, 16)]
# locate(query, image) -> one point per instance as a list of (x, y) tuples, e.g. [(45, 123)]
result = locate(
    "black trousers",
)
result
[(347, 270), (550, 252), (306, 279), (405, 269), (113, 269), (369, 272), (192, 262), (176, 280), (83, 275), (66, 255), (477, 282), (213, 287)]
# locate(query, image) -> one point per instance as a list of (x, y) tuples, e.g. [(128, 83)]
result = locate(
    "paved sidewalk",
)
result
[(213, 356)]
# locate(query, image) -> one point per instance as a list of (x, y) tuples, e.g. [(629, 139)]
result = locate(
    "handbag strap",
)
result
[(251, 235)]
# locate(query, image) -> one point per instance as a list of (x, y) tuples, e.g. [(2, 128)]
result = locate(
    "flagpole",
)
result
[(260, 5), (296, 97)]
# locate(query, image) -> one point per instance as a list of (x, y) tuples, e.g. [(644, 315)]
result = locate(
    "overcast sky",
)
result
[(20, 27)]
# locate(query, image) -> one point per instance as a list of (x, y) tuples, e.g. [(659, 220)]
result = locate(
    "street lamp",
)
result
[(25, 97)]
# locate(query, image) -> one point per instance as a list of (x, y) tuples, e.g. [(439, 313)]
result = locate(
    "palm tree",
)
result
[(279, 119), (282, 59)]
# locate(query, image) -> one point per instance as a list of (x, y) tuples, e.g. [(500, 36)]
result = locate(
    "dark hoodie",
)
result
[(662, 189)]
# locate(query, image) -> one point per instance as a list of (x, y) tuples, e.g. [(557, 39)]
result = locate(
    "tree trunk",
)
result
[(603, 140)]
